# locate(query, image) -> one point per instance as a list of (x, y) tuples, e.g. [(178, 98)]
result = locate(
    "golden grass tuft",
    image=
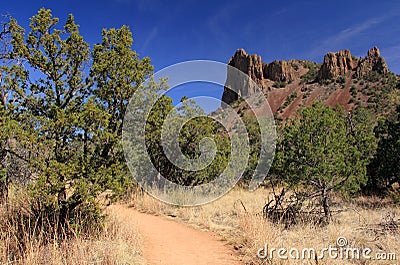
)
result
[(22, 243)]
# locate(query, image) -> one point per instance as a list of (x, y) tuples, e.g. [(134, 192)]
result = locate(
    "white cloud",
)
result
[(332, 42), (150, 37), (219, 23)]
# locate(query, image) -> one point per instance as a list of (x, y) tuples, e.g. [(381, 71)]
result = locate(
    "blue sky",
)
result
[(174, 31)]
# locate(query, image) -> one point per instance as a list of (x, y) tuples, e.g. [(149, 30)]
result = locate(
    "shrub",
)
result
[(280, 84), (312, 73), (353, 90), (341, 80)]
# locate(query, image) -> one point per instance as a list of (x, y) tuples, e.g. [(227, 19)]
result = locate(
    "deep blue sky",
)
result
[(174, 31)]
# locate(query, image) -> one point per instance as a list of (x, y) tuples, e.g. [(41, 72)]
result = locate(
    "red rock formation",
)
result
[(336, 64), (373, 62), (279, 71), (250, 64)]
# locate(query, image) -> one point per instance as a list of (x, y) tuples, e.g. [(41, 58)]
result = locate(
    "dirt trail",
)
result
[(171, 243)]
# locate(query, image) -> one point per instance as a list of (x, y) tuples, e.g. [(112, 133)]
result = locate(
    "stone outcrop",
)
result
[(336, 64), (251, 65), (373, 62), (279, 71), (340, 63)]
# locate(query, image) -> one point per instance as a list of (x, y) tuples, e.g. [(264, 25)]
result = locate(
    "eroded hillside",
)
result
[(341, 79)]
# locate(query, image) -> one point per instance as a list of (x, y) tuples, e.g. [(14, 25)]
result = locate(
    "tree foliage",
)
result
[(384, 168), (63, 106), (69, 102), (321, 151), (190, 136)]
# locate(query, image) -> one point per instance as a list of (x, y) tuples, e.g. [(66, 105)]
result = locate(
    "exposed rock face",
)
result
[(373, 62), (340, 63), (279, 71), (336, 64), (250, 64)]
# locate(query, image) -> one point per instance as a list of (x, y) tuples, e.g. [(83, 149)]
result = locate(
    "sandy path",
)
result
[(171, 243)]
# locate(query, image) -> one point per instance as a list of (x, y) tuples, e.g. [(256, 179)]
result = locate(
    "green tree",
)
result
[(117, 72), (384, 168), (73, 108), (4, 113), (154, 125), (15, 139), (254, 134), (190, 135), (53, 98), (319, 153)]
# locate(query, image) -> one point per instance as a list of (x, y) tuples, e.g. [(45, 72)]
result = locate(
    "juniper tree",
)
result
[(384, 168), (323, 150), (74, 100)]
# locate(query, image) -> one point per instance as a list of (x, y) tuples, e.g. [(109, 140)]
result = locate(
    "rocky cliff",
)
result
[(336, 64), (341, 63), (250, 64), (259, 72), (289, 85), (373, 62), (279, 71)]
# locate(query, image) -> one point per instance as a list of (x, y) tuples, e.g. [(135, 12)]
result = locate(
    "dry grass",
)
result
[(117, 243), (363, 222), (236, 217)]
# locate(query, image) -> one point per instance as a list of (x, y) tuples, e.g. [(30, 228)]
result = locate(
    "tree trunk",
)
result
[(3, 191), (325, 203), (63, 215), (4, 181)]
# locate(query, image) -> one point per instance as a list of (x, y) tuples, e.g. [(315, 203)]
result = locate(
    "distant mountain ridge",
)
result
[(341, 79)]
